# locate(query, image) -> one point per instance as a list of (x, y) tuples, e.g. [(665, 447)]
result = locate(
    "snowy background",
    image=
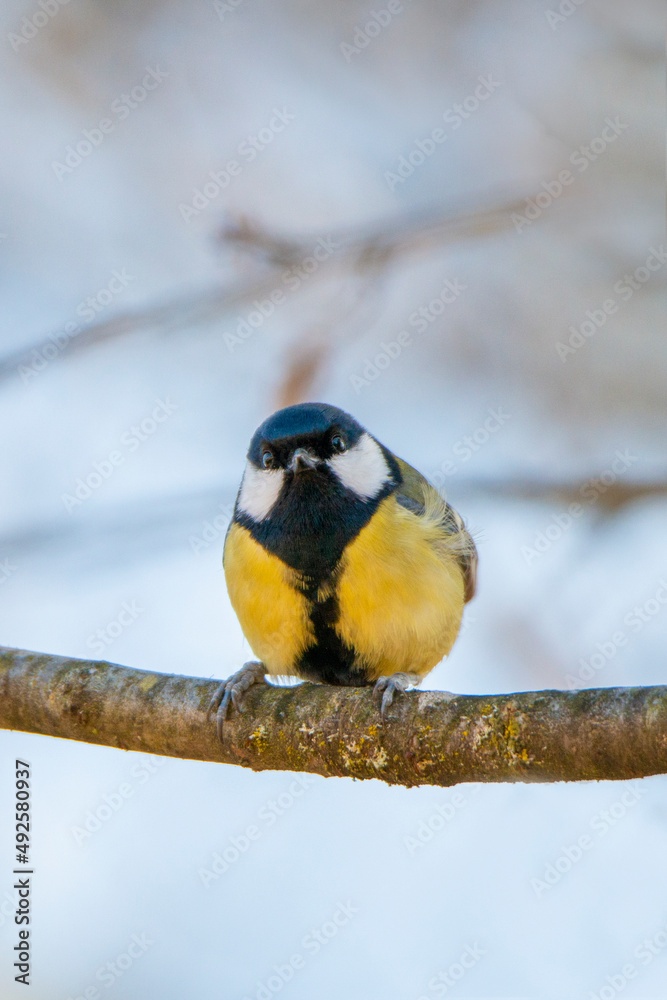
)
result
[(130, 282)]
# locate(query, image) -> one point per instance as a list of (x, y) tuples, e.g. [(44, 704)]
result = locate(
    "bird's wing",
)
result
[(416, 494)]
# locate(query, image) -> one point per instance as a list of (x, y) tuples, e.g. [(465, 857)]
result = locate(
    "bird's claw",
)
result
[(231, 693), (386, 687)]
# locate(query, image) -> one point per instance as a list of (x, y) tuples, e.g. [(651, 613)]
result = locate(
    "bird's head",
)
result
[(313, 456)]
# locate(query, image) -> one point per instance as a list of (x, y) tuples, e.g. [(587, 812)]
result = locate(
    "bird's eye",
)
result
[(267, 459), (337, 443)]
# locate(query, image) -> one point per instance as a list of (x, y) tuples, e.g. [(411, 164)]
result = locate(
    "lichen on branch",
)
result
[(428, 738)]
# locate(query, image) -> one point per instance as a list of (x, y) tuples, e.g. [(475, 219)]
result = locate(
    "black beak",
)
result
[(302, 460)]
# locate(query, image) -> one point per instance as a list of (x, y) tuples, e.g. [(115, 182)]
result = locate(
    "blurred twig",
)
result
[(431, 738), (190, 511), (359, 251), (370, 248), (607, 498)]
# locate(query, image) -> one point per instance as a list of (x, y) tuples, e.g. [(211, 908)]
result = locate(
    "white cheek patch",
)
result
[(363, 469), (260, 488)]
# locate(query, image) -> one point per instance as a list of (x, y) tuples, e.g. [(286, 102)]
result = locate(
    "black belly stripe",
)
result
[(328, 660), (313, 521)]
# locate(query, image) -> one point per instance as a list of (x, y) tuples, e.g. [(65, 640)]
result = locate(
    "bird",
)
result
[(344, 565)]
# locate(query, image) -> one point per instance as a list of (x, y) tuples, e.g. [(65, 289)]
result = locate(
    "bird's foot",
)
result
[(232, 692), (386, 687)]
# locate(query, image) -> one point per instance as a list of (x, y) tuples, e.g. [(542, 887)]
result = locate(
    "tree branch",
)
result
[(358, 251), (429, 739)]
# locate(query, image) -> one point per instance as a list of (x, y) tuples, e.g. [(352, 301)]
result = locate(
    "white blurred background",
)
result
[(369, 156)]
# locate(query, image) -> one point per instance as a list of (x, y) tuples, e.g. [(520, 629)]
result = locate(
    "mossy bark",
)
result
[(428, 738)]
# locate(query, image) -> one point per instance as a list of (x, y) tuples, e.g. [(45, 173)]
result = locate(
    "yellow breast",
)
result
[(400, 593), (399, 590), (263, 590)]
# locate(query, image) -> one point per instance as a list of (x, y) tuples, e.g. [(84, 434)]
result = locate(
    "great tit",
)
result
[(343, 564)]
